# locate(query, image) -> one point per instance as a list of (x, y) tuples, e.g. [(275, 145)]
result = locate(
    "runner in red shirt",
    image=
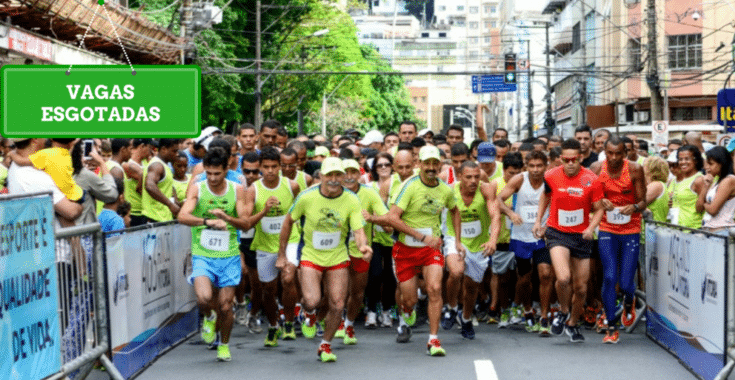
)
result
[(573, 193)]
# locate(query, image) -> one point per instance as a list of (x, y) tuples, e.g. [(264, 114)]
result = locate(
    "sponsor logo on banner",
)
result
[(685, 296)]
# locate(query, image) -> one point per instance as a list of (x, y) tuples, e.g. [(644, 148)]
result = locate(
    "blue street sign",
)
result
[(491, 83), (726, 108)]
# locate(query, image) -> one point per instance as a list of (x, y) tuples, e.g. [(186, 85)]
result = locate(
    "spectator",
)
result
[(686, 191), (98, 187), (106, 150), (656, 171), (124, 211), (109, 218), (181, 179), (56, 162), (27, 179), (717, 196), (407, 131)]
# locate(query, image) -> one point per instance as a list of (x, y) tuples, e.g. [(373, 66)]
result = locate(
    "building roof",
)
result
[(67, 21)]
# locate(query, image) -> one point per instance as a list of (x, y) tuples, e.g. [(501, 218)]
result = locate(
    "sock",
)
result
[(401, 321), (406, 312), (348, 323), (212, 316), (431, 337), (273, 326), (325, 342), (454, 308), (422, 296), (310, 318), (466, 320)]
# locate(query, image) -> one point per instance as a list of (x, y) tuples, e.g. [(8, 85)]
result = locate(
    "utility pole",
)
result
[(652, 77), (258, 81), (529, 93), (549, 119), (185, 26), (583, 82)]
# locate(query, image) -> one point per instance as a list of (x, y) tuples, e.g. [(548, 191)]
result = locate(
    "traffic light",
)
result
[(510, 69)]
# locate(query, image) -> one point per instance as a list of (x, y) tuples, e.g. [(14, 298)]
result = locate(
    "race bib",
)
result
[(471, 229), (571, 218), (272, 224), (529, 214), (325, 240), (249, 234), (615, 217), (215, 240), (673, 216), (411, 242)]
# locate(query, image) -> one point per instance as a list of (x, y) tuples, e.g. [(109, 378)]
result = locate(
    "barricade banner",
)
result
[(685, 293), (30, 334), (151, 306)]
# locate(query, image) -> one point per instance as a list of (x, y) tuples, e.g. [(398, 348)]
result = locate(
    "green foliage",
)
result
[(358, 101)]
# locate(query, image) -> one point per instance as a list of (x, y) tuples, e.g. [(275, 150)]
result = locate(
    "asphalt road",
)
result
[(503, 354)]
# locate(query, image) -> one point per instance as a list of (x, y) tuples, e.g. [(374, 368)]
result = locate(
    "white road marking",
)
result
[(485, 370)]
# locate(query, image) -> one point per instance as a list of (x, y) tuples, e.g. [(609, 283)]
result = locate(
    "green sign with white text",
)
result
[(100, 101)]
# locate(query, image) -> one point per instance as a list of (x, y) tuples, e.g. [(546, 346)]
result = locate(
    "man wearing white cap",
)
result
[(327, 214), (372, 139), (416, 215)]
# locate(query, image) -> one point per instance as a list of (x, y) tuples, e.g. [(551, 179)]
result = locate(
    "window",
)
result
[(685, 51), (493, 9), (423, 99), (576, 38), (487, 9), (424, 35), (474, 10), (634, 49), (474, 25), (376, 3), (442, 7), (493, 24), (442, 35), (691, 113), (487, 39), (460, 8), (474, 54), (459, 23), (474, 40)]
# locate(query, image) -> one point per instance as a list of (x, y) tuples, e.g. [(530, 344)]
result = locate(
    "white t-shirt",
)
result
[(27, 179)]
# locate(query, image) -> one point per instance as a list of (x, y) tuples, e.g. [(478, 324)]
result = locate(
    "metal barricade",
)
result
[(83, 307)]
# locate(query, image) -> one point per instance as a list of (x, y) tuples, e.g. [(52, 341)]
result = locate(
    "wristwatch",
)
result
[(635, 206), (204, 222)]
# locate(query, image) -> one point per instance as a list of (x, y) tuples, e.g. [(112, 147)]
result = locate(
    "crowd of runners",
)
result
[(304, 237)]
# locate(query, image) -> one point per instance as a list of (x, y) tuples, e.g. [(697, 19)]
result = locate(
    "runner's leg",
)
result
[(336, 285)]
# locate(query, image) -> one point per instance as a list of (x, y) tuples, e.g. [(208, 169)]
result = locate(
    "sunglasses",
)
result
[(568, 160), (250, 171), (381, 166)]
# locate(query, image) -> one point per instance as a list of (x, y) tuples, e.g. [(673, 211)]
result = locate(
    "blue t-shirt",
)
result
[(240, 159), (193, 161), (110, 221)]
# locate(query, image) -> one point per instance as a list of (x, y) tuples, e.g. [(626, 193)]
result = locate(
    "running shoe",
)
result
[(213, 346), (223, 353), (434, 348), (557, 326), (516, 315), (320, 329), (325, 353), (589, 317), (410, 319), (242, 313), (254, 325), (349, 337), (468, 331), (404, 334), (481, 310), (448, 318), (371, 320), (628, 316), (602, 324), (208, 326), (574, 335), (289, 333), (493, 317), (386, 320), (611, 336), (530, 323), (308, 329), (504, 319), (340, 333), (271, 340), (544, 330)]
